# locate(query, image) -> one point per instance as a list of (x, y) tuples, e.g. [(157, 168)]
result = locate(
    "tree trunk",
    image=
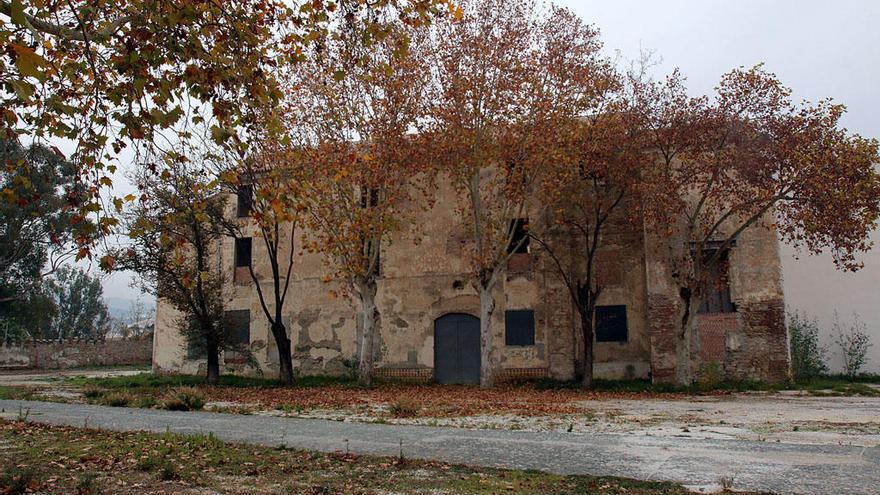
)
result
[(487, 364), (369, 320), (285, 360), (213, 361), (684, 372), (587, 332)]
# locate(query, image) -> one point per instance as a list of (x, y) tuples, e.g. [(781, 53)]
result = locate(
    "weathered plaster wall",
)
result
[(425, 276)]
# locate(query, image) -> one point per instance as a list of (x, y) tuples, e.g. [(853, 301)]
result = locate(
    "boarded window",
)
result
[(611, 324), (237, 333), (243, 251), (195, 349), (237, 327), (519, 236), (716, 290), (519, 327), (245, 200)]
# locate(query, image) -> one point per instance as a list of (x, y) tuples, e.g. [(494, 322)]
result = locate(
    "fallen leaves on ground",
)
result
[(442, 401)]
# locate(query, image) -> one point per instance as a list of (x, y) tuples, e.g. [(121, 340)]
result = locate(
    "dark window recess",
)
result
[(519, 236), (369, 196), (245, 200), (519, 327), (243, 248), (195, 349), (716, 290), (237, 327), (237, 334), (611, 324)]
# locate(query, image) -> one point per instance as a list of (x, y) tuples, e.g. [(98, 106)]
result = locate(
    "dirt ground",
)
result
[(786, 417)]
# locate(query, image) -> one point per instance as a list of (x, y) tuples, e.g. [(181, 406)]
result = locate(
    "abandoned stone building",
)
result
[(430, 330)]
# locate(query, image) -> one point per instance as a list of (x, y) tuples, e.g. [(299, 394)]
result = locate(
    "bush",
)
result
[(18, 480), (807, 355), (92, 392), (853, 343), (711, 376), (116, 399), (183, 399), (404, 408)]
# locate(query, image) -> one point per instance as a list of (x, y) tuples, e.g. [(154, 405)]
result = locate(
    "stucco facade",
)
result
[(425, 276)]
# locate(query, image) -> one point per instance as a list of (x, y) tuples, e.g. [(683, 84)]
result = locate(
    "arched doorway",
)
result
[(457, 349)]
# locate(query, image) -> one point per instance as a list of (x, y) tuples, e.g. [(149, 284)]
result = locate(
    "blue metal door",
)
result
[(457, 349)]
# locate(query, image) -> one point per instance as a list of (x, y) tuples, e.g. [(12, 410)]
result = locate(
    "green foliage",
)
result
[(79, 301), (17, 480), (807, 354), (853, 342), (711, 376), (39, 230)]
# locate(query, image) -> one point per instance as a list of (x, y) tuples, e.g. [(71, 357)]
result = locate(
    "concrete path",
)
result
[(701, 464)]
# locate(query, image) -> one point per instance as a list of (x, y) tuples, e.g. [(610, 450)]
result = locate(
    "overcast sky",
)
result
[(818, 48)]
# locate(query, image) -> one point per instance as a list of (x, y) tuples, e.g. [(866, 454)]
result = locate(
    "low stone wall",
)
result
[(46, 354)]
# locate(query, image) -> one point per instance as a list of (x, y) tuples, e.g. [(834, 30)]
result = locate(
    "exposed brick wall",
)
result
[(758, 350), (427, 374), (713, 330), (44, 354), (662, 327)]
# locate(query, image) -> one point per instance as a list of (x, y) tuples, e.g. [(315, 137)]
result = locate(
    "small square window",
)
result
[(519, 236), (244, 200), (611, 324), (243, 251), (519, 327)]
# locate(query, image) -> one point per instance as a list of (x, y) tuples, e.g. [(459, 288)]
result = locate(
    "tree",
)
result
[(597, 180), (109, 74), (853, 343), (807, 353), (174, 240), (750, 158), (39, 220), (79, 304), (504, 75), (274, 211), (362, 161)]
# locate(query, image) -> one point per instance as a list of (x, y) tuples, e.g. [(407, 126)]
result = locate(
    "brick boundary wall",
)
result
[(427, 374), (75, 353)]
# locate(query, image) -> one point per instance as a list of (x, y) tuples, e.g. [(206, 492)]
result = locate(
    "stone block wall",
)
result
[(45, 354)]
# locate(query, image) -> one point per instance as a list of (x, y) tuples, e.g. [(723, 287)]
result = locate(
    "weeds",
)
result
[(404, 408), (183, 399)]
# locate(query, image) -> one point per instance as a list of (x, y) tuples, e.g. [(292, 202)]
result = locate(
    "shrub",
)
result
[(807, 355), (92, 392), (404, 408), (85, 484), (711, 376), (18, 480), (183, 399), (853, 343), (117, 399)]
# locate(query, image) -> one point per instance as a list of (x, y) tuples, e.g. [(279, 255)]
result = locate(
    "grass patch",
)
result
[(829, 384), (16, 393), (150, 380), (104, 461)]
